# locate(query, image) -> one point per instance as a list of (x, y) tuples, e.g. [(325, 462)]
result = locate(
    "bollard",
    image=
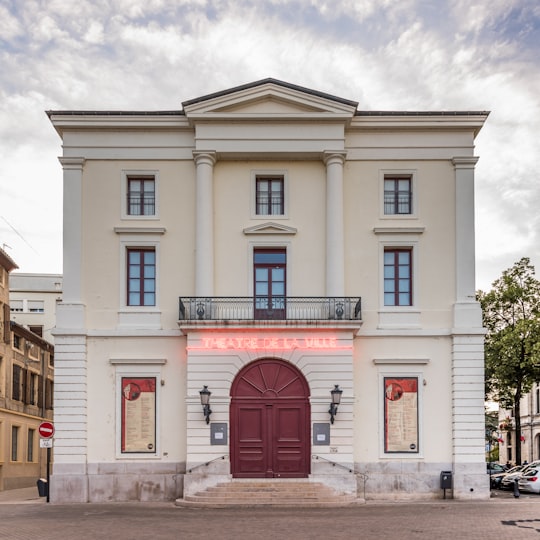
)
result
[(516, 488)]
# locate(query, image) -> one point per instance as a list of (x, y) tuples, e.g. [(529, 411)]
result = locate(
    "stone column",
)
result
[(335, 243), (468, 435), (69, 482), (204, 226)]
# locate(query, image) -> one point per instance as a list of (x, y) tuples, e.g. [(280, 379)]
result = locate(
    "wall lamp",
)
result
[(336, 400), (205, 402)]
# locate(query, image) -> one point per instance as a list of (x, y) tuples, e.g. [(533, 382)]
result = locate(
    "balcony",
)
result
[(277, 308)]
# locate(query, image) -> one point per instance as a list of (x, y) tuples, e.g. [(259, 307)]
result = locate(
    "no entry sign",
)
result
[(46, 430)]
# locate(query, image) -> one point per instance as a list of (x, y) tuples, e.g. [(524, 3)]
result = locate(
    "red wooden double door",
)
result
[(270, 422)]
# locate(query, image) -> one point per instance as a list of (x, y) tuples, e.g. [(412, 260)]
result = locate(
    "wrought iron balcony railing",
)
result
[(248, 308)]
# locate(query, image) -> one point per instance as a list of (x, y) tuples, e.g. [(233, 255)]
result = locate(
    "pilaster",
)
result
[(335, 243), (204, 239), (72, 252)]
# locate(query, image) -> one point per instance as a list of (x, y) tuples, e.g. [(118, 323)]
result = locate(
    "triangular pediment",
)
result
[(270, 228), (269, 97), (268, 105)]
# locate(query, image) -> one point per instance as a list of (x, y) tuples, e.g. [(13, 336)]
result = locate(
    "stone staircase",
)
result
[(269, 493)]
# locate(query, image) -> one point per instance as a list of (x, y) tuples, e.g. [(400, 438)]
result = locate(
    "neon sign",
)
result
[(266, 343)]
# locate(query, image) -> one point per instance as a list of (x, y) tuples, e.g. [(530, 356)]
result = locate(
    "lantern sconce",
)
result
[(336, 400), (205, 402)]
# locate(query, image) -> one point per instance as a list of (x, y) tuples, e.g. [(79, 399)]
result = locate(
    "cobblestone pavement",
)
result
[(502, 517)]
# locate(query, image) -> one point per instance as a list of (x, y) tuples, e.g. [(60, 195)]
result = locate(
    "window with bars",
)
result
[(397, 195), (397, 277), (141, 196), (270, 195), (141, 282)]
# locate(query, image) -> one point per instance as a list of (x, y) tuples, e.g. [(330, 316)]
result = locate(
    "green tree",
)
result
[(511, 315)]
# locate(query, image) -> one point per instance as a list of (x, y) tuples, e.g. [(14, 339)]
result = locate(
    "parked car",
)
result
[(530, 480), (506, 480), (495, 468)]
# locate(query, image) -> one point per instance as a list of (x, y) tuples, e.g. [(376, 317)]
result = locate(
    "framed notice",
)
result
[(401, 415), (138, 412)]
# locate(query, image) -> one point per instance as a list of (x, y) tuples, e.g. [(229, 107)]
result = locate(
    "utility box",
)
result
[(446, 479)]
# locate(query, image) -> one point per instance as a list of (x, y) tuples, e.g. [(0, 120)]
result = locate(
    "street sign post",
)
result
[(46, 431)]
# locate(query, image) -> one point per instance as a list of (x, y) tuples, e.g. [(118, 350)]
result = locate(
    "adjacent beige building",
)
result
[(268, 244), (26, 393)]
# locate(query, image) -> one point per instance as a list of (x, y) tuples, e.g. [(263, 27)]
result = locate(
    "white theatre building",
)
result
[(268, 243)]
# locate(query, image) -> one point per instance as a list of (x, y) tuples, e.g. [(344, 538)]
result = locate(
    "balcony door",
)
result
[(269, 272)]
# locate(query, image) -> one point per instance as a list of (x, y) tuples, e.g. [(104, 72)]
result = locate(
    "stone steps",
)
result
[(269, 493)]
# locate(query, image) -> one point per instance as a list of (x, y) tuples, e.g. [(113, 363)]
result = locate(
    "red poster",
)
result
[(401, 414), (139, 414)]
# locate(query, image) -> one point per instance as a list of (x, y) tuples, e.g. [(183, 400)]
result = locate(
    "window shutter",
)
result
[(48, 394), (7, 330), (40, 390), (16, 387), (27, 386)]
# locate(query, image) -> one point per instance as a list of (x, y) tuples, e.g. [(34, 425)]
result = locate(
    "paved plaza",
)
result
[(25, 516)]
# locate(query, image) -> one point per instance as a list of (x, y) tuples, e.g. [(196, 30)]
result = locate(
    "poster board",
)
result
[(138, 414), (401, 415)]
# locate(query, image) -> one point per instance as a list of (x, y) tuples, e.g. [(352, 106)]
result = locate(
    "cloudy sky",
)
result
[(385, 54)]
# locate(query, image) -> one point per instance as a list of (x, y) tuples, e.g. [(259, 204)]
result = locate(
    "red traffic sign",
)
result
[(46, 430)]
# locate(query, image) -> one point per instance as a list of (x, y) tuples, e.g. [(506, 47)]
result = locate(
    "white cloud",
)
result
[(387, 54)]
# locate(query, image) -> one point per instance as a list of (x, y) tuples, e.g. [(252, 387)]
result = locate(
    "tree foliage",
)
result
[(511, 315)]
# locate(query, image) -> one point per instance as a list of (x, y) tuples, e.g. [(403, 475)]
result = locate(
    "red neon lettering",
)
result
[(266, 343)]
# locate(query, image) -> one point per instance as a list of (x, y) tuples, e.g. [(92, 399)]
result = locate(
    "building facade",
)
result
[(26, 394), (265, 246), (528, 437), (33, 299)]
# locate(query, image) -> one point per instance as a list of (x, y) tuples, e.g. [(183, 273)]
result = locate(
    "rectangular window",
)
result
[(30, 447), (14, 443), (36, 306), (269, 194), (397, 277), (397, 195), (141, 196), (16, 305), (17, 342), (37, 329), (401, 415), (138, 412), (141, 282)]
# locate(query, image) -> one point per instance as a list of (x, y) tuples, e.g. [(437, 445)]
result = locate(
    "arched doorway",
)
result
[(270, 421)]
